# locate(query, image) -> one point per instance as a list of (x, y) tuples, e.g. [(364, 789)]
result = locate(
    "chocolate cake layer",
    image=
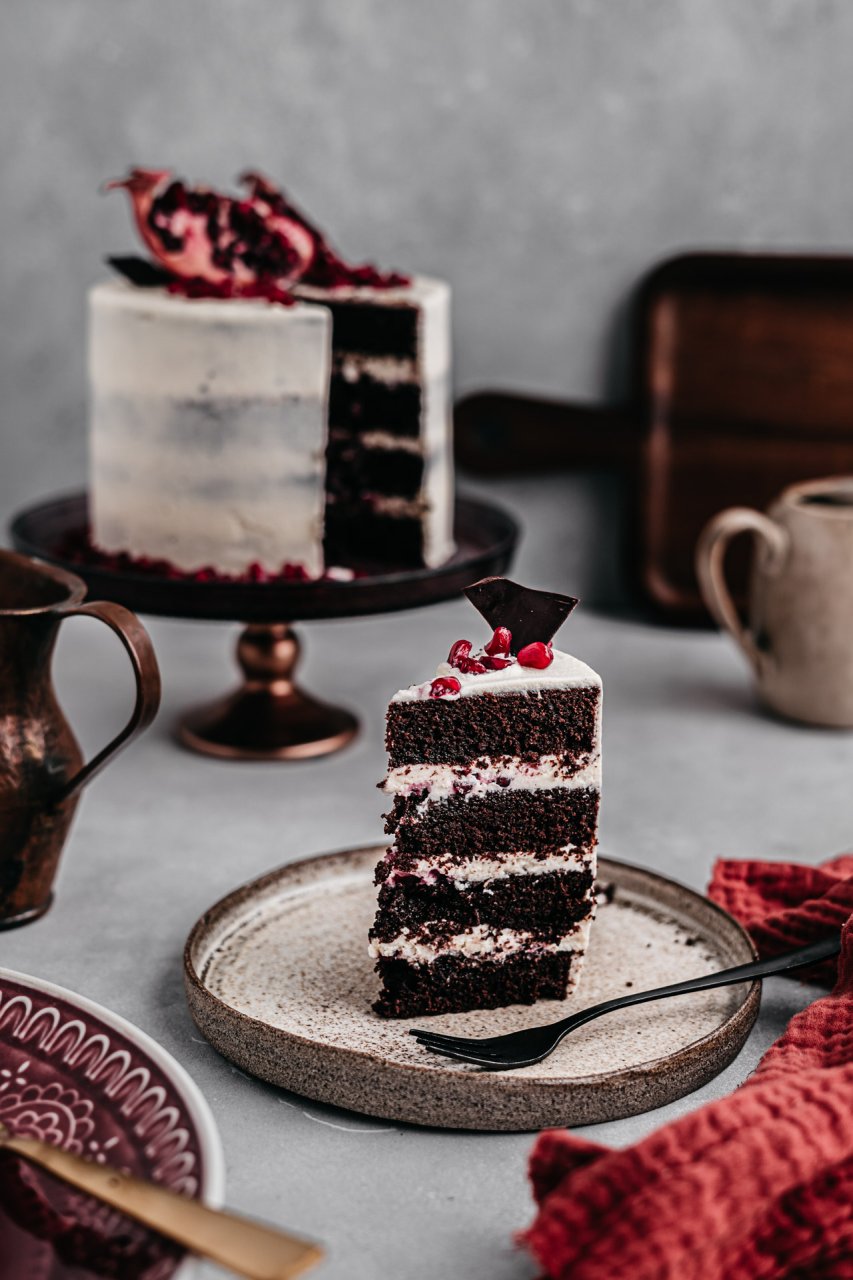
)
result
[(452, 984), (382, 330), (355, 535), (544, 722), (366, 404), (494, 821), (545, 906), (353, 470)]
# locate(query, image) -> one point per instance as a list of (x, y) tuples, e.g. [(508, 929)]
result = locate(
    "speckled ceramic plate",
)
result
[(279, 981)]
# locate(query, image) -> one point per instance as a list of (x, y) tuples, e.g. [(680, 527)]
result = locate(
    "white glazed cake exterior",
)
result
[(208, 426)]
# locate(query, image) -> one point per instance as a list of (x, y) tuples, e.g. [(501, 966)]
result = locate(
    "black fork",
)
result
[(523, 1048)]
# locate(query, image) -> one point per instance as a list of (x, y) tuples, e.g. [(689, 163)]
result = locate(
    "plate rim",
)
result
[(212, 1185), (507, 1082)]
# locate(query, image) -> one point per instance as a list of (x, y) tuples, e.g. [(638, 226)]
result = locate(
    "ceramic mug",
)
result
[(41, 766), (799, 639)]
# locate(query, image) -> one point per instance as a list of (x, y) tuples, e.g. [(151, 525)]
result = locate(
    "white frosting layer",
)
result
[(153, 343), (385, 440), (388, 505), (565, 672), (481, 940), (207, 428), (437, 488), (481, 869), (504, 773), (392, 370)]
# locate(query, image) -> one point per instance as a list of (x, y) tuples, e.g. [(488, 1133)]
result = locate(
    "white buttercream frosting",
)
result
[(480, 940), (501, 773), (386, 441), (392, 370), (479, 870), (207, 428), (565, 672)]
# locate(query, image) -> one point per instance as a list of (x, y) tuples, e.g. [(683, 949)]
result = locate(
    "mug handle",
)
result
[(710, 567), (140, 650)]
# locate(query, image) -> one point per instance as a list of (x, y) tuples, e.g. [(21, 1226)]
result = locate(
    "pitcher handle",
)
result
[(711, 572), (140, 650)]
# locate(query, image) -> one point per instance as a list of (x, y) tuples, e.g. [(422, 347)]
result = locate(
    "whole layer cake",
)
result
[(256, 404), (486, 896)]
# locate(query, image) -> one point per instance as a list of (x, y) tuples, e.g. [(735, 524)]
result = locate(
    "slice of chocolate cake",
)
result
[(486, 893)]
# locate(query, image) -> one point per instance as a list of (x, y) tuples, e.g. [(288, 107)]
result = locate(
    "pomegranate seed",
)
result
[(470, 666), (461, 649), (500, 642), (536, 654), (444, 686), (495, 662)]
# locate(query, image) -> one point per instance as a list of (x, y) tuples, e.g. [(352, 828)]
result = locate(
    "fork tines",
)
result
[(478, 1053)]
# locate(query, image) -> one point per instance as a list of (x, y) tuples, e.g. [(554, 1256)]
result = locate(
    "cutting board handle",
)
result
[(502, 434)]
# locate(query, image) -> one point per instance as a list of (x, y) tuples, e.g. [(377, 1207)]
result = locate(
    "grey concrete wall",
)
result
[(541, 154)]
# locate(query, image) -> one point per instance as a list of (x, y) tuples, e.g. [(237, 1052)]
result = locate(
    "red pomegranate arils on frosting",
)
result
[(444, 686), (495, 662), (500, 643), (253, 246), (461, 649), (536, 654), (470, 666)]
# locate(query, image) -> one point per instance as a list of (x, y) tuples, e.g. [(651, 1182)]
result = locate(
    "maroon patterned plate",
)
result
[(73, 1074)]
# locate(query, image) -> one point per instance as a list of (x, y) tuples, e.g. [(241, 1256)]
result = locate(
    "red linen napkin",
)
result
[(755, 1186)]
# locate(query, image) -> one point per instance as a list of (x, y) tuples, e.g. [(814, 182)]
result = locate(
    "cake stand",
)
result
[(269, 717)]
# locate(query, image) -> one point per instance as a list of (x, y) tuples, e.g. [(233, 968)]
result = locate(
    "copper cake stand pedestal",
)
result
[(268, 717)]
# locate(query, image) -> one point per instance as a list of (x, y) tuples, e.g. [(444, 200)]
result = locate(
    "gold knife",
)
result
[(247, 1248)]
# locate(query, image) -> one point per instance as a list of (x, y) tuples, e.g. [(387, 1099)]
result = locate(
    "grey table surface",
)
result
[(693, 771)]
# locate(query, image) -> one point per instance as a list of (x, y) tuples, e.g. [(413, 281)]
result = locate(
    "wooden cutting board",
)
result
[(743, 384)]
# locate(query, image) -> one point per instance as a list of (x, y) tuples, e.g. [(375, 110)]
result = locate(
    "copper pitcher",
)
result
[(41, 766)]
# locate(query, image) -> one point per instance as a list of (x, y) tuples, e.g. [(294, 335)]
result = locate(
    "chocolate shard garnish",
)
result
[(139, 271), (530, 615)]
